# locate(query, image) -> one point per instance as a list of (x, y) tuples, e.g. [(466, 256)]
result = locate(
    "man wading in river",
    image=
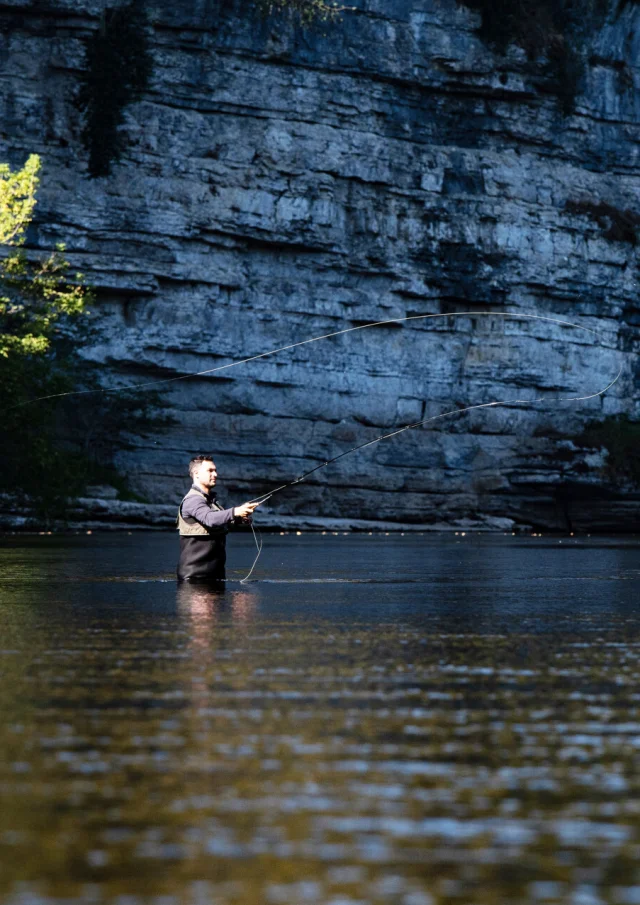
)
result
[(204, 524)]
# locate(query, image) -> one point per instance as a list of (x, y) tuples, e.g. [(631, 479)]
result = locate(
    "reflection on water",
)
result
[(458, 721), (201, 605)]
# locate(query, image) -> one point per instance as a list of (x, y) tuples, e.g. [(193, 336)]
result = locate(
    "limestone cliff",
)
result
[(282, 182)]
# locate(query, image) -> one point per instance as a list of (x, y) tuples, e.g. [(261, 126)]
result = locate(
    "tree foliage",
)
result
[(37, 303), (17, 199), (51, 449), (307, 11), (36, 300), (36, 297)]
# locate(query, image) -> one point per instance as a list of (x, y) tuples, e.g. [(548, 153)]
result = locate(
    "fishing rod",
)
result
[(415, 424), (343, 332), (408, 427)]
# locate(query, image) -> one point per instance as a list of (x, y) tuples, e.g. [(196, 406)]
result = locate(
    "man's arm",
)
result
[(196, 507)]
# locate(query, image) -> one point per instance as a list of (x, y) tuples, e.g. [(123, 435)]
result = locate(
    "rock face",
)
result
[(281, 183)]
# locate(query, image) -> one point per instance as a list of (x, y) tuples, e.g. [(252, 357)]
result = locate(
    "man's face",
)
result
[(206, 474)]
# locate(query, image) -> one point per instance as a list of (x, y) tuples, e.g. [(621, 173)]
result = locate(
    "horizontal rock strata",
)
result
[(281, 183)]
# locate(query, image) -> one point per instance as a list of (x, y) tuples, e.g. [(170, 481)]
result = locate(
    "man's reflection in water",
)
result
[(214, 619), (244, 605), (203, 606), (205, 610)]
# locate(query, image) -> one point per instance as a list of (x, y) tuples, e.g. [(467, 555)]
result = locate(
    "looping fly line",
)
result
[(385, 436), (314, 339)]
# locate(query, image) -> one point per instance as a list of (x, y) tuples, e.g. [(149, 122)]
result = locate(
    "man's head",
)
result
[(203, 471)]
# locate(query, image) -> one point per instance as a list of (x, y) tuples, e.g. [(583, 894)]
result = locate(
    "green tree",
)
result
[(35, 295), (51, 448), (17, 200), (38, 302)]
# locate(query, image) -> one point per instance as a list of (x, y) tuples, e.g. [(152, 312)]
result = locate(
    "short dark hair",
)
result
[(193, 464)]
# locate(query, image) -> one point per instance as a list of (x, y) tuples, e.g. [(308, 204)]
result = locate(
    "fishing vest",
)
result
[(191, 527)]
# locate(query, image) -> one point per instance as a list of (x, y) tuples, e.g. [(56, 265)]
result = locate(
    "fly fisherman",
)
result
[(204, 524)]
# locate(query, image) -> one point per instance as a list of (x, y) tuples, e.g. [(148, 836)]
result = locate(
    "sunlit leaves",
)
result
[(37, 294), (17, 199), (307, 11)]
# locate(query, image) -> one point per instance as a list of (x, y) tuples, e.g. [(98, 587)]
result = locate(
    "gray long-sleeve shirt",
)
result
[(197, 506)]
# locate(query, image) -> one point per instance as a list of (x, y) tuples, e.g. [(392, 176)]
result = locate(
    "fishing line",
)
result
[(259, 548), (415, 424), (407, 427), (304, 342), (334, 333)]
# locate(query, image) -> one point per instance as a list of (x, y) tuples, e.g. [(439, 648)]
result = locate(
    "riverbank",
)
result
[(102, 510), (99, 514)]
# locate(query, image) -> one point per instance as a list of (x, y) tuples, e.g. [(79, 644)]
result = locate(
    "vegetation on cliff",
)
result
[(617, 225), (561, 30), (307, 11), (620, 437), (50, 450), (36, 296), (118, 66), (117, 70)]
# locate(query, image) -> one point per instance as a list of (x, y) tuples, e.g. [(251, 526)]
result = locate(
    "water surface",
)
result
[(385, 720)]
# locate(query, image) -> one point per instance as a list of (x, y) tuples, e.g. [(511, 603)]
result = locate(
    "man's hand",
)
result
[(245, 510)]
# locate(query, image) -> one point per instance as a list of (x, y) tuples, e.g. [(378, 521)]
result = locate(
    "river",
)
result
[(370, 720)]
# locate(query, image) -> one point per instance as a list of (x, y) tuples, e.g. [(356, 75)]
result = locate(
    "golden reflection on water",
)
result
[(201, 604), (220, 755)]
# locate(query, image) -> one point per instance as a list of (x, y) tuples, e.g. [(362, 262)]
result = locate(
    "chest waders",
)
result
[(203, 551)]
